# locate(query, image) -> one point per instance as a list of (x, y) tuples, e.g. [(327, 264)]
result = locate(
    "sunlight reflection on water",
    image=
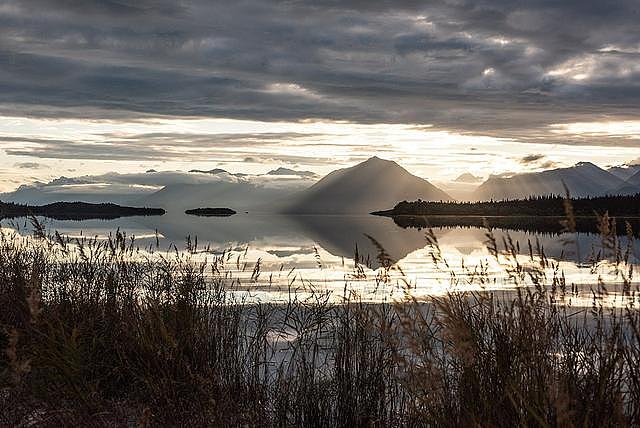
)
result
[(267, 258)]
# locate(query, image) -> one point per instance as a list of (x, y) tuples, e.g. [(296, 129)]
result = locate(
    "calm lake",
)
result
[(302, 253)]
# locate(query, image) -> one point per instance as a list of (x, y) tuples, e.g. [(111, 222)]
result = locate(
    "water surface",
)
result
[(373, 256)]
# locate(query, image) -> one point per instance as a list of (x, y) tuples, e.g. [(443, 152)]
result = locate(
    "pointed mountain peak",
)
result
[(585, 164), (368, 186), (467, 177), (376, 162), (376, 159)]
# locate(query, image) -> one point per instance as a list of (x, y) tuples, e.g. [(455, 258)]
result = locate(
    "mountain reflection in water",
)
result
[(320, 250)]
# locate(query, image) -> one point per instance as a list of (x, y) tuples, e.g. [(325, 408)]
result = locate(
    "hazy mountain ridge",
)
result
[(634, 180), (467, 177), (216, 171), (369, 186), (38, 195), (173, 189), (583, 179), (625, 172), (280, 171), (287, 171), (236, 195), (631, 185)]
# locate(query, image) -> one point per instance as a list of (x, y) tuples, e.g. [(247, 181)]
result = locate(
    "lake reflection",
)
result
[(301, 252)]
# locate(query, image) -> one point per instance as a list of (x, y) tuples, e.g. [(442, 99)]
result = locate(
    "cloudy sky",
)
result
[(443, 87)]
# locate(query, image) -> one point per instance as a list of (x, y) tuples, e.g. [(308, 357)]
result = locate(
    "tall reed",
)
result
[(101, 333)]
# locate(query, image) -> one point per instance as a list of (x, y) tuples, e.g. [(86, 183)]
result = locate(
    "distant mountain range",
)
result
[(625, 172), (582, 180), (279, 171), (48, 194), (293, 172), (241, 196), (371, 185), (632, 185), (216, 171), (175, 190)]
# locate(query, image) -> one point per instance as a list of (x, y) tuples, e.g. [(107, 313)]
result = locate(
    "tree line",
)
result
[(74, 211), (552, 206)]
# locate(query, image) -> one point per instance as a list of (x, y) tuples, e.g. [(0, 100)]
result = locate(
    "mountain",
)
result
[(467, 177), (369, 186), (634, 180), (45, 194), (240, 196), (582, 179), (216, 171), (461, 188), (341, 235), (168, 189), (631, 186), (624, 172), (287, 171), (211, 171)]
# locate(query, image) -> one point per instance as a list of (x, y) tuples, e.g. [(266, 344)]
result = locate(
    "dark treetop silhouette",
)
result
[(211, 212), (534, 214), (75, 211)]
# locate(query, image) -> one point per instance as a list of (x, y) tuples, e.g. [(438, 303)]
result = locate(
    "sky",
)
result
[(441, 87)]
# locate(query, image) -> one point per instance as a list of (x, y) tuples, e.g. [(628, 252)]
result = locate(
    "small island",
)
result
[(75, 211), (211, 212)]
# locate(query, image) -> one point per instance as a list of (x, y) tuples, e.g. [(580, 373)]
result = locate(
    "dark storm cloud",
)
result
[(149, 146), (494, 67)]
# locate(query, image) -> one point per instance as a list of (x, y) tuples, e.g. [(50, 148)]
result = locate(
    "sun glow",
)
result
[(40, 149), (626, 129)]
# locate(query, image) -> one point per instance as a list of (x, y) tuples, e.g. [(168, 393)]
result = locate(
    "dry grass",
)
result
[(96, 334)]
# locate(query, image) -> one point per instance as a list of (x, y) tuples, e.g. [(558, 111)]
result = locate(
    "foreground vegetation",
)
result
[(96, 333)]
